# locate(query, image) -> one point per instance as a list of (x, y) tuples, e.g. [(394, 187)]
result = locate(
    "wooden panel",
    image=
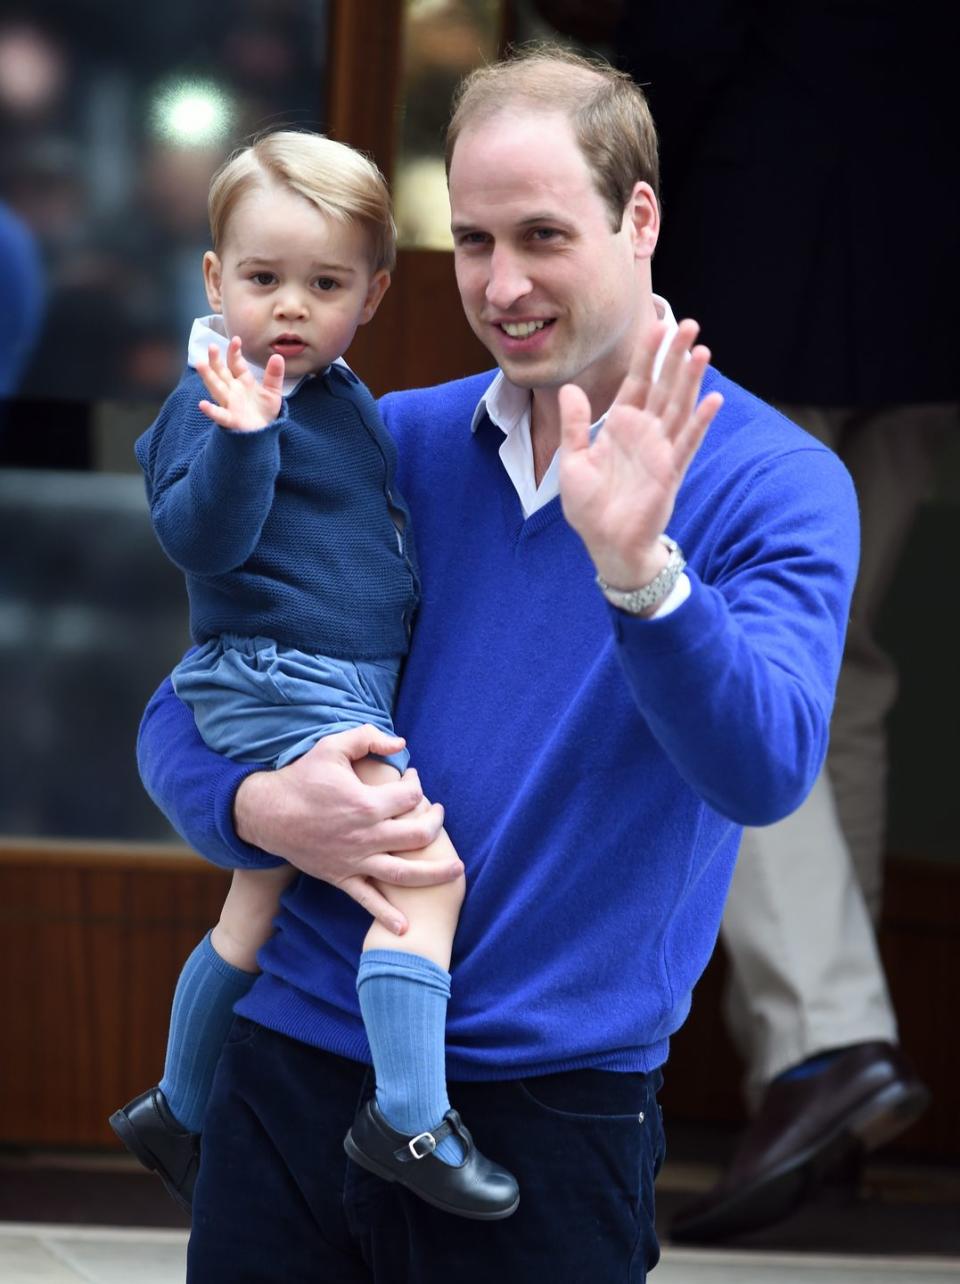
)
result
[(419, 335), (95, 938), (92, 950), (363, 86)]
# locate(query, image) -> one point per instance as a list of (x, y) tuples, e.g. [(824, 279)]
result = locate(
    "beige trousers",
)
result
[(805, 974)]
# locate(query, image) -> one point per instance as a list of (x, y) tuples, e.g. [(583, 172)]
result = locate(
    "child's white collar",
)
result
[(208, 330)]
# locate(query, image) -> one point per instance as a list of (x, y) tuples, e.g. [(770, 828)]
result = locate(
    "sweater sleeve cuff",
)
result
[(225, 787), (686, 627)]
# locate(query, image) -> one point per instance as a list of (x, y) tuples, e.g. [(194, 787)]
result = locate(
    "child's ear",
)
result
[(212, 274), (377, 289)]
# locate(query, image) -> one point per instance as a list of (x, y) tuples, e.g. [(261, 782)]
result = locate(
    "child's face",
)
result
[(291, 280)]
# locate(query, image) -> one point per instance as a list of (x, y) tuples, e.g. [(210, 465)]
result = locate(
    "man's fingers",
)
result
[(686, 390), (664, 390), (375, 903), (635, 389), (407, 831), (687, 442), (360, 741), (408, 871), (574, 418)]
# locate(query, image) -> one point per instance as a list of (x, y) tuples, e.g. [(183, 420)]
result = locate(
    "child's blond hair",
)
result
[(341, 182)]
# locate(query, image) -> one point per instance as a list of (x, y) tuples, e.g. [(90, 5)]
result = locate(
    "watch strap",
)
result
[(636, 601)]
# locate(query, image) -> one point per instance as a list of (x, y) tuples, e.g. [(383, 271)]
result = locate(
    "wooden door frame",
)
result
[(420, 335)]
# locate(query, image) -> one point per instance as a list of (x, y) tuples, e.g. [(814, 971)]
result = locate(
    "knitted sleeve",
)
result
[(209, 489)]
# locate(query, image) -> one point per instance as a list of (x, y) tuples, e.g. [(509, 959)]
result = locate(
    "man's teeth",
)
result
[(520, 329)]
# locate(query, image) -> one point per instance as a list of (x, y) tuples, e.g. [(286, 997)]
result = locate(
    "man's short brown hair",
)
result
[(608, 112)]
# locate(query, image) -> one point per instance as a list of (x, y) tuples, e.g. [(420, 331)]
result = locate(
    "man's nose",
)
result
[(507, 281)]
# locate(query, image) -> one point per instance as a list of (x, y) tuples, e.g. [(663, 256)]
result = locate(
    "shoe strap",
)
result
[(425, 1143)]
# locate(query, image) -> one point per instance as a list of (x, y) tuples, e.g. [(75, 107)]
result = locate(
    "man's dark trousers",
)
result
[(278, 1200)]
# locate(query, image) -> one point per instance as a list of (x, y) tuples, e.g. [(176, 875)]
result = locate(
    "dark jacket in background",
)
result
[(811, 219)]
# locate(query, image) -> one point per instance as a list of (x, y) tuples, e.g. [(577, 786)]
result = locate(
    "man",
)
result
[(597, 758)]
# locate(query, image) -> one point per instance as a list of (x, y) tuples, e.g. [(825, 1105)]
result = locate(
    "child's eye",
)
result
[(325, 283), (263, 278)]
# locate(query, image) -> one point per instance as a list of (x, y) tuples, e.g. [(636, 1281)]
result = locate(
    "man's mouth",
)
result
[(522, 329)]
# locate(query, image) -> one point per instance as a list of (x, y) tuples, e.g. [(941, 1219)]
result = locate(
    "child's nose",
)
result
[(291, 303)]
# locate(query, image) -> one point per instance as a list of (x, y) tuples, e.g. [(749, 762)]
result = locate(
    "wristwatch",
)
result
[(636, 601)]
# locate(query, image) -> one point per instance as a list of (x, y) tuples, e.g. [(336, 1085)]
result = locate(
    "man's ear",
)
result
[(212, 276), (379, 284), (642, 218)]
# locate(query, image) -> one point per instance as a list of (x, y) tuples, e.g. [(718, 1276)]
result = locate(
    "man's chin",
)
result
[(533, 375)]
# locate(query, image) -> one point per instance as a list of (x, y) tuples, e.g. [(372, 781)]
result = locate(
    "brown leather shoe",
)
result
[(805, 1129)]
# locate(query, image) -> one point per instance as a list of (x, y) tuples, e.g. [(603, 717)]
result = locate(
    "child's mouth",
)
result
[(288, 345)]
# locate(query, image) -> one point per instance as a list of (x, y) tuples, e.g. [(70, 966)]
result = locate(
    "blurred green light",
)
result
[(191, 113)]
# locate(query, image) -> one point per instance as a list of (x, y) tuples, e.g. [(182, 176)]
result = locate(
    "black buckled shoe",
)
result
[(147, 1127), (475, 1188)]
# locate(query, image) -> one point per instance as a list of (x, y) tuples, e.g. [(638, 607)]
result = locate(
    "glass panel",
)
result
[(443, 39), (112, 119)]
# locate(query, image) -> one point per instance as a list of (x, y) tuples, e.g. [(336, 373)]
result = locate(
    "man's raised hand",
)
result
[(618, 491), (240, 402)]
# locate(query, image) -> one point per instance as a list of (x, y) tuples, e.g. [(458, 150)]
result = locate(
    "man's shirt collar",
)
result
[(506, 405), (508, 408)]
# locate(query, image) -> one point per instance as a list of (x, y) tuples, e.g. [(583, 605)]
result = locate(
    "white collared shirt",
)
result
[(508, 407)]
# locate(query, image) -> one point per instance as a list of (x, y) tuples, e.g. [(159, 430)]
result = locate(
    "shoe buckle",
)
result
[(429, 1142)]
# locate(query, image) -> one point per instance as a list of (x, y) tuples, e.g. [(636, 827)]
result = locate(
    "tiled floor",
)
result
[(100, 1219), (34, 1253), (40, 1254)]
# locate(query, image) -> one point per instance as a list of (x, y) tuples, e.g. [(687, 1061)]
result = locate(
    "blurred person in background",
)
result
[(21, 298)]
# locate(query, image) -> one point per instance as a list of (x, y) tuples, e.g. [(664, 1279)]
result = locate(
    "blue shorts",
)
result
[(256, 701)]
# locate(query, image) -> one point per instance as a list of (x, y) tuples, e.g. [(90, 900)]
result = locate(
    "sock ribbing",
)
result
[(403, 999), (202, 1014)]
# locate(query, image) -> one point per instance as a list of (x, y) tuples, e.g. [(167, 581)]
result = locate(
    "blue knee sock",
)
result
[(403, 998), (202, 1014)]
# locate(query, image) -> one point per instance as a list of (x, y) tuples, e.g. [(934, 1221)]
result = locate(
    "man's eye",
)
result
[(326, 283), (263, 278), (545, 233)]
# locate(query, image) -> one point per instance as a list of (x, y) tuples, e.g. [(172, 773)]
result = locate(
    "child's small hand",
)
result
[(240, 403)]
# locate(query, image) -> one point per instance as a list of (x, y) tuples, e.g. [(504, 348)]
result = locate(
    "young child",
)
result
[(272, 486)]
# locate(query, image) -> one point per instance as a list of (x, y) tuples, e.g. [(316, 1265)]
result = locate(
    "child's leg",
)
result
[(218, 973), (404, 985)]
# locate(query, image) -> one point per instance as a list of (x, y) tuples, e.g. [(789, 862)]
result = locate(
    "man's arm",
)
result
[(314, 813), (737, 683)]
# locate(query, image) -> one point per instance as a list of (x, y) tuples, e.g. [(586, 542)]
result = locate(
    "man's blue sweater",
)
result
[(291, 532), (596, 768)]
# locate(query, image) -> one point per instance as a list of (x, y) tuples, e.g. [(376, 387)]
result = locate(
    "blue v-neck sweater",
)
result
[(596, 769)]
